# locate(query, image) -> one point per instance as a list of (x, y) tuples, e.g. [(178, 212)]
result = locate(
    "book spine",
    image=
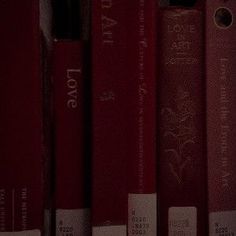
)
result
[(22, 151), (182, 153), (109, 198), (141, 117), (72, 213), (221, 115)]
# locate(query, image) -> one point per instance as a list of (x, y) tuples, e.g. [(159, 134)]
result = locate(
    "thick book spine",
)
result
[(68, 75), (221, 115), (141, 117), (22, 142), (109, 188), (182, 153)]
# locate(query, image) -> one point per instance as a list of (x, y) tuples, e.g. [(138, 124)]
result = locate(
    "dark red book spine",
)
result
[(109, 188), (141, 117), (182, 152), (22, 146), (221, 115), (68, 75)]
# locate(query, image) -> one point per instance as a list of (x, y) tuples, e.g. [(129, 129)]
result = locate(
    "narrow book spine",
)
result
[(109, 189), (72, 213), (141, 117), (22, 151), (182, 163), (221, 115)]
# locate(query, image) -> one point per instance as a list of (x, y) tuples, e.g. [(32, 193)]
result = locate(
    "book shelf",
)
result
[(117, 118)]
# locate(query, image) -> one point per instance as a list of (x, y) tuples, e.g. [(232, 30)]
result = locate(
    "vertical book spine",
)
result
[(109, 198), (22, 164), (141, 117), (221, 115), (182, 164), (72, 211)]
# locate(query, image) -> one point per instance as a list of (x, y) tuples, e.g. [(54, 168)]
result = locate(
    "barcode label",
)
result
[(182, 221), (74, 222), (142, 214), (222, 223)]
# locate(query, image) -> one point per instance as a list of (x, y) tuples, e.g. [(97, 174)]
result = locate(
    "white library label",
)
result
[(142, 214), (222, 223), (74, 222), (182, 221)]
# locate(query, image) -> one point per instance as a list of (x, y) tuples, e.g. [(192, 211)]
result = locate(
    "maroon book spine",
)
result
[(22, 149), (221, 115), (141, 117), (109, 188), (181, 114), (68, 76)]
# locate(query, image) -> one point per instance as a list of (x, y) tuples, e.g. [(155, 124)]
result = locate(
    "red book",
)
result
[(23, 149), (182, 153), (141, 117), (72, 212), (221, 115), (109, 188)]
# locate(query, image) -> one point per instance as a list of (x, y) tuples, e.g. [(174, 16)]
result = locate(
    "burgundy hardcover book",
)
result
[(72, 213), (109, 188), (70, 79), (182, 152), (221, 115), (23, 152), (141, 117)]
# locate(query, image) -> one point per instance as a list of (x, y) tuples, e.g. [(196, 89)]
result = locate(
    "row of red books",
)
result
[(139, 140)]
